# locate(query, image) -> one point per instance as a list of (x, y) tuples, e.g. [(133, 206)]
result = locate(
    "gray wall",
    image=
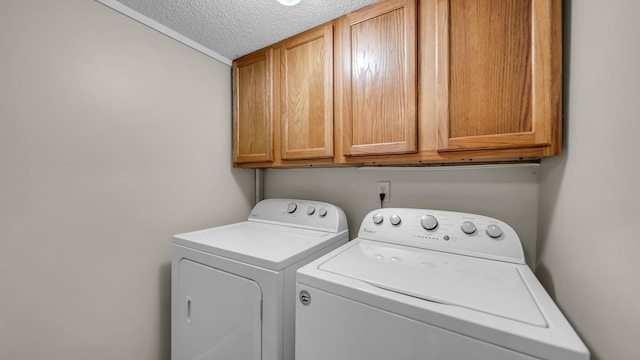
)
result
[(509, 193), (112, 138), (590, 204)]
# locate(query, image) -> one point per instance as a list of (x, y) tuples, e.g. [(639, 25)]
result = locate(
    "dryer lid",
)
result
[(488, 286), (268, 246)]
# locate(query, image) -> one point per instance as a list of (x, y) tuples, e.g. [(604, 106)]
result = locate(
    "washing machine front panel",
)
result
[(219, 315), (336, 328)]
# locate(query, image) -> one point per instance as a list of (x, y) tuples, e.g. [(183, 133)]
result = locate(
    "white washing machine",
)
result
[(233, 287), (425, 284)]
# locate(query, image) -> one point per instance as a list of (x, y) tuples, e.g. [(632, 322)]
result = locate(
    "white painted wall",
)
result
[(589, 200), (509, 193), (112, 138)]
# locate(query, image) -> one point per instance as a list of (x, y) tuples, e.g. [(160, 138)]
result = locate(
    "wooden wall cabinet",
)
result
[(306, 100), (498, 85), (253, 107), (283, 102), (489, 77), (414, 82), (376, 91)]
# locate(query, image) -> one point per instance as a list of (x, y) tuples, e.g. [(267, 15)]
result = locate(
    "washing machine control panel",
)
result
[(307, 214), (455, 232)]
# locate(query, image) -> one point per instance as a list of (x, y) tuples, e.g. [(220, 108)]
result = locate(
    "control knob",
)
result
[(468, 227), (429, 222), (395, 219), (291, 208), (311, 210), (494, 231), (322, 212), (377, 218)]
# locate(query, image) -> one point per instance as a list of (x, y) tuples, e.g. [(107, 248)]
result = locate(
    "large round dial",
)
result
[(429, 222), (377, 218), (395, 219), (291, 208), (322, 212), (494, 231), (468, 227)]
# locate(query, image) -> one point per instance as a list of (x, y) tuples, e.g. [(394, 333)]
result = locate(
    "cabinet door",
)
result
[(498, 74), (253, 107), (307, 95), (377, 71)]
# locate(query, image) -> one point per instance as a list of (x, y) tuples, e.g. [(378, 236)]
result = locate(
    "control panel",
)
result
[(307, 214), (454, 232)]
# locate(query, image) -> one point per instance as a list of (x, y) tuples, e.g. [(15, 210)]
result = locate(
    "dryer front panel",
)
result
[(219, 315)]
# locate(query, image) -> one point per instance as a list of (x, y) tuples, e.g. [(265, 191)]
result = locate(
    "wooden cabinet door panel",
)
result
[(307, 95), (252, 108), (378, 74), (495, 67)]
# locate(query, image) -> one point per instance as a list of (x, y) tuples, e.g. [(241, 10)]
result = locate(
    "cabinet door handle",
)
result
[(188, 308)]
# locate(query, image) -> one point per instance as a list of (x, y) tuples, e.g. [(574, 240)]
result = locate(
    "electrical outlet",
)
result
[(384, 187)]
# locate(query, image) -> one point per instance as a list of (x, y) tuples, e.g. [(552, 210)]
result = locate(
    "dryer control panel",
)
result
[(306, 214), (448, 231)]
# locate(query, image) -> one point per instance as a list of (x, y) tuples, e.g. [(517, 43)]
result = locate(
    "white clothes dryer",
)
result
[(233, 286), (426, 284)]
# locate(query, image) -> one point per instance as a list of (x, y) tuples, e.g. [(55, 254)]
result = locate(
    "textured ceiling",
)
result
[(233, 28)]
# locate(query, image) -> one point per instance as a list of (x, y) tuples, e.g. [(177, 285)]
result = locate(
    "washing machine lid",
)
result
[(268, 246), (487, 286)]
